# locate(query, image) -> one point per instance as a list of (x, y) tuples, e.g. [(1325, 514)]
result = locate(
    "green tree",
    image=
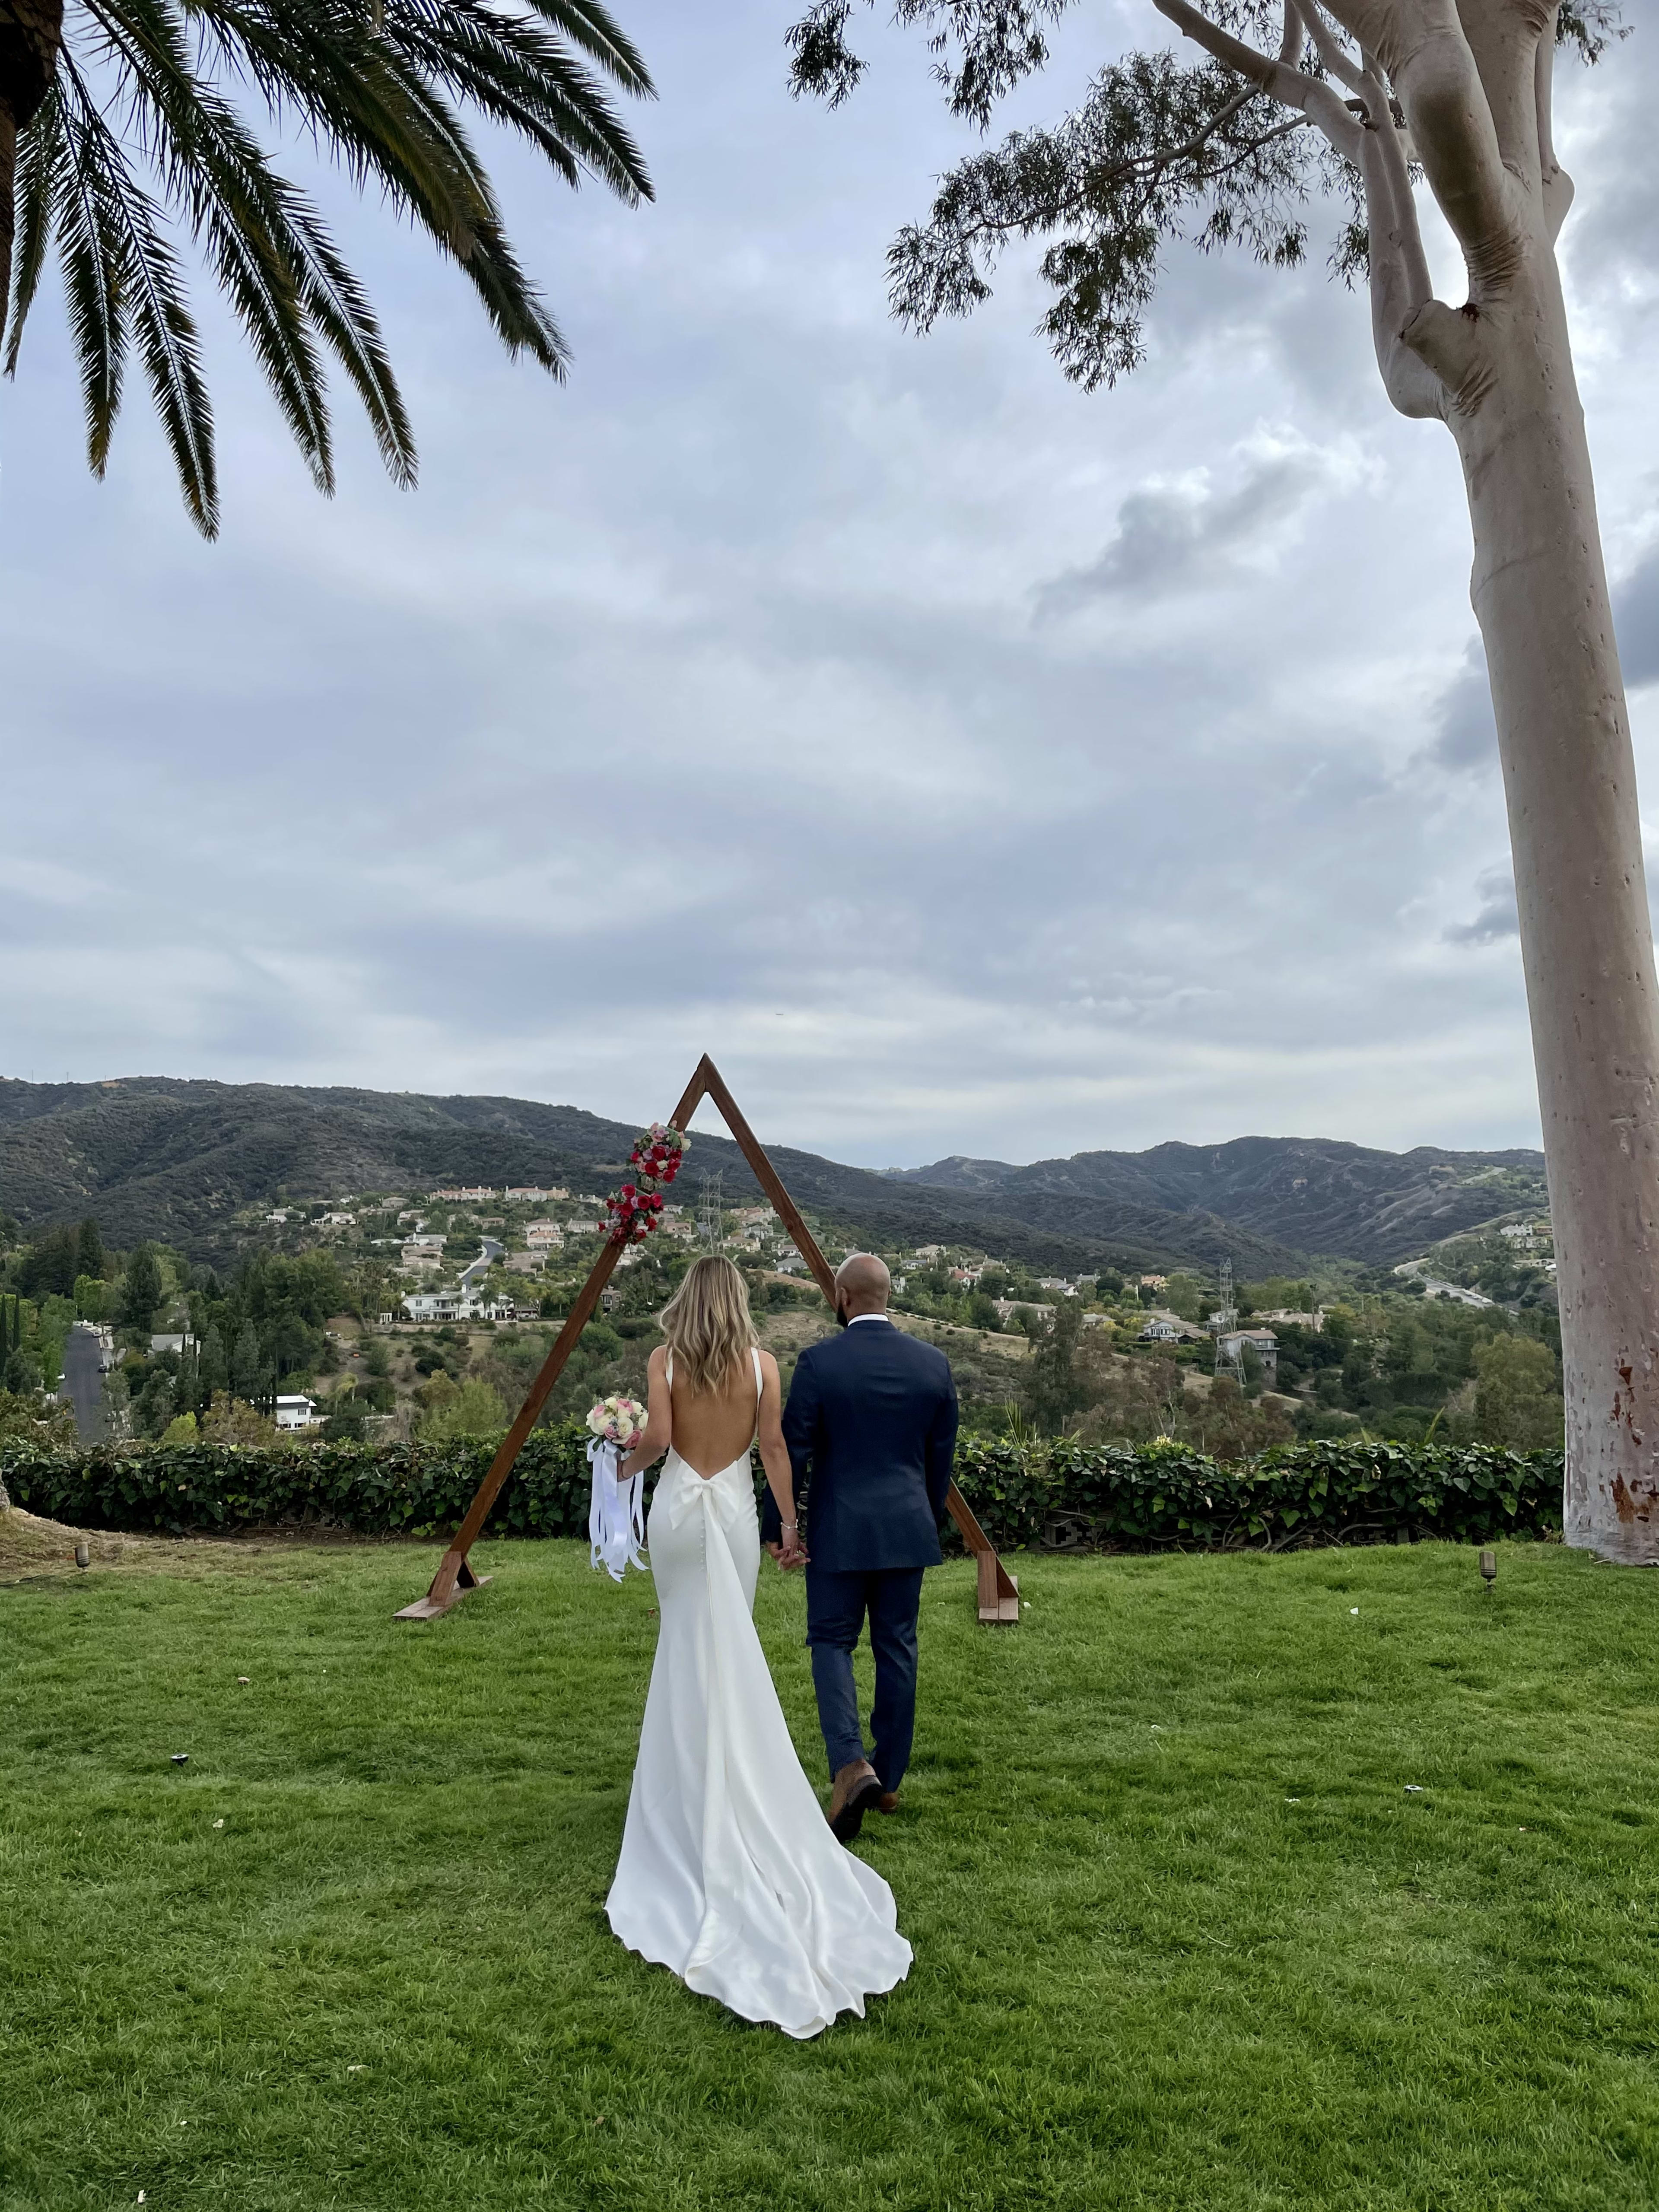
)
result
[(21, 1376), (471, 1409), (121, 120), (213, 1368), (141, 1287), (49, 1266), (1054, 1390), (1517, 1400), (91, 1298), (89, 1256), (246, 1364)]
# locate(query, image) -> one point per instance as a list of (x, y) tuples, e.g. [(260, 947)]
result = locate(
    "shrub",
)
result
[(1061, 1496), (376, 1490)]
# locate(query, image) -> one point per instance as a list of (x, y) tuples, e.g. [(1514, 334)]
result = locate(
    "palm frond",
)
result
[(145, 283), (216, 174), (339, 309), (92, 252), (593, 31), (381, 87), (39, 166)]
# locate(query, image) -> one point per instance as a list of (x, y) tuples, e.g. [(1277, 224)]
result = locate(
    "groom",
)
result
[(872, 1420)]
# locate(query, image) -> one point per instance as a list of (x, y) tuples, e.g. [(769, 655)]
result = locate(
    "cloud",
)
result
[(1176, 537), (1465, 734), (1497, 919), (1636, 621), (697, 705)]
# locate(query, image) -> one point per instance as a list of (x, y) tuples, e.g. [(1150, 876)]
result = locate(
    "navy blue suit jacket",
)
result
[(872, 1426)]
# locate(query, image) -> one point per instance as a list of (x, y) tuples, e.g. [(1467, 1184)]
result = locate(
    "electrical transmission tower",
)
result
[(1227, 1313), (710, 1207)]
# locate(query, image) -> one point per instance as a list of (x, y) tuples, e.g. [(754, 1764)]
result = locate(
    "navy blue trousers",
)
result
[(835, 1610)]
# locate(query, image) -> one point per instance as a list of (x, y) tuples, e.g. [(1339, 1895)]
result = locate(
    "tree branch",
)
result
[(1503, 37), (1421, 48), (1330, 48), (1400, 280), (1290, 87), (1554, 184)]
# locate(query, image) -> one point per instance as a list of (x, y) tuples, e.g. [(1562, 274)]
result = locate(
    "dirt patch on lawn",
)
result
[(31, 1548)]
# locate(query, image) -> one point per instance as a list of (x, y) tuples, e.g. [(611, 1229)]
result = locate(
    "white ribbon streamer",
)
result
[(616, 1518)]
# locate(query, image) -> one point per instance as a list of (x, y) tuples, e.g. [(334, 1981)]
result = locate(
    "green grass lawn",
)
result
[(1182, 1938)]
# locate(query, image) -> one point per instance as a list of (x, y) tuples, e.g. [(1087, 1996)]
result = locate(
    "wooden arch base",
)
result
[(998, 1593)]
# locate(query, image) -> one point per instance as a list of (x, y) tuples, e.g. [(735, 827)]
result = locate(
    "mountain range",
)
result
[(175, 1160)]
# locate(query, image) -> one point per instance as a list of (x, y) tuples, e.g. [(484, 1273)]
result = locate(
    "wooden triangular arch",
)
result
[(998, 1594)]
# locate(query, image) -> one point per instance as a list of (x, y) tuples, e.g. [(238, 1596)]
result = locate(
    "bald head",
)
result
[(863, 1285)]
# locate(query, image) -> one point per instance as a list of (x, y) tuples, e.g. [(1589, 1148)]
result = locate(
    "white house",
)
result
[(542, 1232), (459, 1305), (297, 1413), (1232, 1344), (164, 1343), (1168, 1328), (476, 1194), (524, 1194)]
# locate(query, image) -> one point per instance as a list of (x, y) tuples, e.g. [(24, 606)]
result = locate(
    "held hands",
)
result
[(790, 1553)]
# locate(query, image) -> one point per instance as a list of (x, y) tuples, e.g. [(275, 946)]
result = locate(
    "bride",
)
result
[(729, 1875)]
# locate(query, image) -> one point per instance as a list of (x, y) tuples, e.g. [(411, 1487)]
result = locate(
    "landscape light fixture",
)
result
[(83, 1553), (1488, 1568)]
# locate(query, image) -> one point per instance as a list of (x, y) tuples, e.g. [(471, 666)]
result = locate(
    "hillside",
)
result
[(151, 1156), (1313, 1194)]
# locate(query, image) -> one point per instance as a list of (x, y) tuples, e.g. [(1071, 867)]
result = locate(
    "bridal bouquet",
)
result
[(616, 1516), (618, 1420)]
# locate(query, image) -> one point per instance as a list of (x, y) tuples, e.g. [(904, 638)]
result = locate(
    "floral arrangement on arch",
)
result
[(633, 1212)]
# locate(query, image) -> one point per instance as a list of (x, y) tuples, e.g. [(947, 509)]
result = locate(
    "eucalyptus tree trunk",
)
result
[(1541, 597), (1463, 87), (31, 31)]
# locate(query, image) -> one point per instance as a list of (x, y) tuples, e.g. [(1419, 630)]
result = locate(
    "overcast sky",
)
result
[(970, 765)]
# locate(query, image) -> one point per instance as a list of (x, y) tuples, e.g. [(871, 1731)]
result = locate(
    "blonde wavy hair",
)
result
[(706, 1324)]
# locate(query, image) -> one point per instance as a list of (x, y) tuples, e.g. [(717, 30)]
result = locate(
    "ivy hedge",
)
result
[(1059, 1496)]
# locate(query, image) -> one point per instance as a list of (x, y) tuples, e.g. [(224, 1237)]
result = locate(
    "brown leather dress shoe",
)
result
[(888, 1801), (854, 1791)]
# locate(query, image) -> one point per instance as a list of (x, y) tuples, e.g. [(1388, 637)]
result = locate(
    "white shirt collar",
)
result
[(857, 1318)]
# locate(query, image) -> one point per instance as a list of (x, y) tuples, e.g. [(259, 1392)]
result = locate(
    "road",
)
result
[(492, 1251), (1436, 1289), (83, 1383)]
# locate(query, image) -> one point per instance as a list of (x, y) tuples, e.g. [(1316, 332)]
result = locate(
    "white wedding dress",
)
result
[(729, 1875)]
